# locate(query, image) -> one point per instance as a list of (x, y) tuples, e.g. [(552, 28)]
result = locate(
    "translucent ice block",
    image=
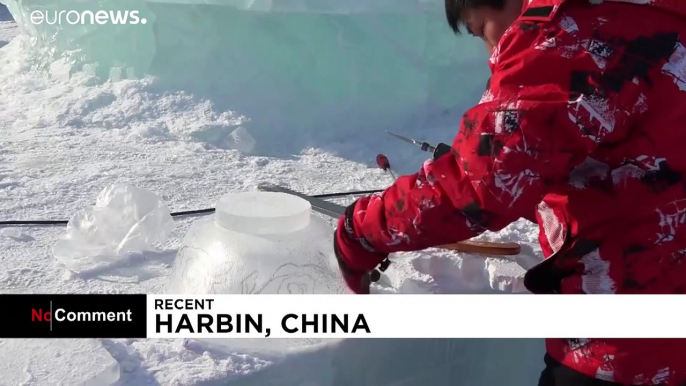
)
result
[(259, 242), (125, 219), (320, 66)]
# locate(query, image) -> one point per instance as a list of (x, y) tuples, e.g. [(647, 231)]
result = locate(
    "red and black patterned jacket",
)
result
[(582, 129)]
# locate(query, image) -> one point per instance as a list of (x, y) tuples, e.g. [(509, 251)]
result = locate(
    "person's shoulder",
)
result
[(537, 29)]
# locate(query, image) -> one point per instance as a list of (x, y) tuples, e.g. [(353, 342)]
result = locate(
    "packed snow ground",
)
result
[(64, 136)]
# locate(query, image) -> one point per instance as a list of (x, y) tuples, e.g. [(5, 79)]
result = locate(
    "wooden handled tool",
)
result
[(484, 248)]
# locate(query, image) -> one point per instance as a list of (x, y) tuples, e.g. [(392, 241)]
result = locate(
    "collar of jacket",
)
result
[(545, 10)]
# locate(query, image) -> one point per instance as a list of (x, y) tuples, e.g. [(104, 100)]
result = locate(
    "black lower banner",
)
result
[(73, 316)]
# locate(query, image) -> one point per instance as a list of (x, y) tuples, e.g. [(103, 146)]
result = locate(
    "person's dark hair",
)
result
[(453, 8)]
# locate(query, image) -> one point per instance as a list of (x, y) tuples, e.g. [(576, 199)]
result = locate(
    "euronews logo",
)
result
[(86, 17)]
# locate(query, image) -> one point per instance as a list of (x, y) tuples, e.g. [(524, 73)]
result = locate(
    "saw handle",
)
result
[(441, 150), (484, 248)]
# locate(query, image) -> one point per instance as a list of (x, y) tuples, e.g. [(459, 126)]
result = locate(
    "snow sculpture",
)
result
[(258, 243), (125, 219)]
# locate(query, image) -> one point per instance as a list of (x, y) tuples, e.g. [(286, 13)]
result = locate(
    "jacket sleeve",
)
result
[(543, 114)]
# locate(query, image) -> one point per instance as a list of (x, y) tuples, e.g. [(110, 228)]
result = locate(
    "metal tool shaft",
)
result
[(425, 146)]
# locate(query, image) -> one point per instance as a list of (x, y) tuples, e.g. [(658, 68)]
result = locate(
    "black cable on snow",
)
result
[(357, 193), (34, 222), (179, 214)]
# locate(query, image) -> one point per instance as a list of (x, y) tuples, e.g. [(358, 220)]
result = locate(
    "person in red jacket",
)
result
[(582, 129)]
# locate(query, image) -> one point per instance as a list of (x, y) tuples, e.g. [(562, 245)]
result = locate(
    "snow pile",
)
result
[(222, 137), (437, 271), (125, 219), (260, 242), (16, 234), (440, 272)]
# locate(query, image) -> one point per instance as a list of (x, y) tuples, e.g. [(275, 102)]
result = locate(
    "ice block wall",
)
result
[(339, 66)]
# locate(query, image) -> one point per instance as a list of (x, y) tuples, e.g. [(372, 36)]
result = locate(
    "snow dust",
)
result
[(67, 135)]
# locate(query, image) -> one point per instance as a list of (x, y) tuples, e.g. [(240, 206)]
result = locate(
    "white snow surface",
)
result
[(56, 362), (65, 136)]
